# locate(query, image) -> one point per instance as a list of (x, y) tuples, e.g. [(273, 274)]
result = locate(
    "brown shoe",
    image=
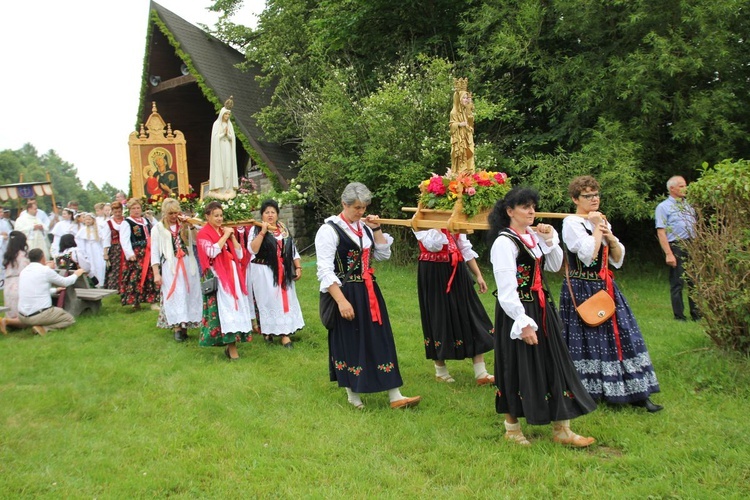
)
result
[(3, 327), (406, 402), (486, 380), (575, 441), (40, 330)]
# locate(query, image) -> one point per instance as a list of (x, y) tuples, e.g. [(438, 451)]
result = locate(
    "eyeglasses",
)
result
[(591, 196)]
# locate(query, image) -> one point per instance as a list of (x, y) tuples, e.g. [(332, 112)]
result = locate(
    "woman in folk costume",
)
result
[(361, 349), (222, 180), (90, 244), (534, 374), (176, 272), (454, 322), (272, 273), (111, 240), (228, 312), (137, 278), (612, 358)]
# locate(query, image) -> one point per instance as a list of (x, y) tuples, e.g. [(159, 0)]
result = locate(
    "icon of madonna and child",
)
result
[(160, 175)]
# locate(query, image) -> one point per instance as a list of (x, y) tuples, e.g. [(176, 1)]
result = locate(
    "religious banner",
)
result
[(158, 160)]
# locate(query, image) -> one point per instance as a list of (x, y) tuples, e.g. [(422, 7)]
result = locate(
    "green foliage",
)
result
[(614, 161), (719, 261), (667, 74), (629, 92), (389, 139)]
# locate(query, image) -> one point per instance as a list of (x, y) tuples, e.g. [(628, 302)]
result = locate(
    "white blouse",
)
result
[(326, 242), (580, 242)]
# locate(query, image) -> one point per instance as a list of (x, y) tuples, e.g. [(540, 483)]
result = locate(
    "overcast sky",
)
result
[(72, 77)]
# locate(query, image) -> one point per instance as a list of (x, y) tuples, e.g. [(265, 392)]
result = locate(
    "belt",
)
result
[(35, 313)]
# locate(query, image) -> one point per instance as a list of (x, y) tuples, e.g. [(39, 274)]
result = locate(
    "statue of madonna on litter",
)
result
[(223, 182)]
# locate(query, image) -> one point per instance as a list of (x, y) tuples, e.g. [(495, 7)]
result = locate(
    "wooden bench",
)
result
[(79, 297)]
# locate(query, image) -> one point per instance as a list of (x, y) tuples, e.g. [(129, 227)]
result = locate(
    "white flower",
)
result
[(223, 206), (231, 203), (243, 206)]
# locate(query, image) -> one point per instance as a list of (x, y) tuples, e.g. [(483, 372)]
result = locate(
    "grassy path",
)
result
[(114, 408)]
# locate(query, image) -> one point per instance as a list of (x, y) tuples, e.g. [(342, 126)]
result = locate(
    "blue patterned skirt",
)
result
[(594, 350)]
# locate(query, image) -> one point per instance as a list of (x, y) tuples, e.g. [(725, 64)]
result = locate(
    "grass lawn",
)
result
[(114, 408)]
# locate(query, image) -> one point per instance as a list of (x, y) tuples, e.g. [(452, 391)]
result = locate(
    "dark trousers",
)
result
[(677, 280)]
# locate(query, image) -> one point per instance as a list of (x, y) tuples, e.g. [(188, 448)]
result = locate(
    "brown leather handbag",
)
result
[(596, 309)]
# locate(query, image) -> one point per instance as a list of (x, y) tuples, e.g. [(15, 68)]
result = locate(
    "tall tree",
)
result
[(668, 75)]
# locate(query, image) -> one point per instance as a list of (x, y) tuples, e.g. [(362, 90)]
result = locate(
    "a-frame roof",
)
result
[(214, 65)]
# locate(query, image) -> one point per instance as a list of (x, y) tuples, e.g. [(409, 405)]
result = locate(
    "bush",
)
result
[(719, 261)]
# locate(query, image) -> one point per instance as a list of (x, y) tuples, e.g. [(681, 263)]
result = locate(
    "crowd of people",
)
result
[(229, 282)]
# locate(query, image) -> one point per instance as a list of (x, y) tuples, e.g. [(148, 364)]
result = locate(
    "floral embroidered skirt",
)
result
[(537, 382), (594, 350), (210, 332), (362, 353), (455, 325), (112, 279), (131, 293)]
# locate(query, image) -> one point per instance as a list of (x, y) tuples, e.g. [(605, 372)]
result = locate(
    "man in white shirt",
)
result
[(34, 295)]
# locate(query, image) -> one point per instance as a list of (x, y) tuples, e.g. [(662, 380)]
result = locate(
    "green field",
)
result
[(114, 408)]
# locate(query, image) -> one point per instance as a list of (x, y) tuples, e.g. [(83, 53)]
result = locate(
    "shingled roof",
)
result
[(214, 66)]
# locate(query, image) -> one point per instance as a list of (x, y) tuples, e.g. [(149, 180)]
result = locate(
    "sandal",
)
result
[(486, 380), (517, 437), (575, 440), (563, 435), (3, 326), (445, 378)]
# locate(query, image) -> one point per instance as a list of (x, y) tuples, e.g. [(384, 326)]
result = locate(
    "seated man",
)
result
[(34, 295)]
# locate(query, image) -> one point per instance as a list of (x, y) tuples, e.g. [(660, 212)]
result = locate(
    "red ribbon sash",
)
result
[(536, 286), (367, 273), (280, 264), (180, 267), (455, 256), (606, 274), (146, 263)]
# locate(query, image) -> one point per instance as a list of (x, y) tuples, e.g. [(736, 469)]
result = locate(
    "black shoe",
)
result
[(178, 336), (649, 405), (268, 338), (289, 345), (184, 334), (680, 319)]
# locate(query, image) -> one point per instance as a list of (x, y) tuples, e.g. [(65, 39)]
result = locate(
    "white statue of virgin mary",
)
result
[(222, 181)]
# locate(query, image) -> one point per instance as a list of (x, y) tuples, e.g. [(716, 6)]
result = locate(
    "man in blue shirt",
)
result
[(675, 223)]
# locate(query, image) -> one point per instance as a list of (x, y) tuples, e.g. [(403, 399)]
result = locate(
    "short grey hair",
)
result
[(356, 191), (672, 181)]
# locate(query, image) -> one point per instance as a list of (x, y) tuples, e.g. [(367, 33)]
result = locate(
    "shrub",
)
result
[(719, 261)]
